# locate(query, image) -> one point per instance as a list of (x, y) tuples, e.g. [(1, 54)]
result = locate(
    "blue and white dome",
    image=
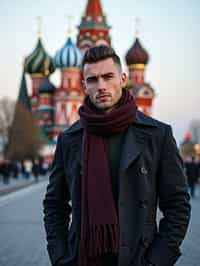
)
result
[(68, 56)]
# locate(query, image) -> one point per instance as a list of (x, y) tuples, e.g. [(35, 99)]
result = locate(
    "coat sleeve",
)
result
[(174, 204), (56, 208)]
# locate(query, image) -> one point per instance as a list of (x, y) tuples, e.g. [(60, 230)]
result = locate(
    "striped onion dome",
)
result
[(46, 86), (137, 54), (39, 62), (68, 56)]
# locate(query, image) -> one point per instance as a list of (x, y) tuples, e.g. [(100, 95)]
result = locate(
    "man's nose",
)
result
[(101, 84)]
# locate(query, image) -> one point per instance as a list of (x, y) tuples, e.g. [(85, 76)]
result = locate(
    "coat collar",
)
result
[(136, 138)]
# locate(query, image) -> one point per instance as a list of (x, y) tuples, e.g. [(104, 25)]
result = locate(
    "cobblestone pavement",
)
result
[(21, 228), (191, 246), (23, 239)]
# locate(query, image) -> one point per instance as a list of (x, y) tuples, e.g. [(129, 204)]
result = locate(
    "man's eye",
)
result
[(91, 80), (107, 77)]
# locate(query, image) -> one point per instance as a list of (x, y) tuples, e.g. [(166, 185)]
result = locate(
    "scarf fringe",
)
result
[(101, 239)]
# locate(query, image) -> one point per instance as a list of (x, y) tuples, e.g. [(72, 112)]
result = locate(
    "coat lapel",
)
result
[(76, 132), (134, 143)]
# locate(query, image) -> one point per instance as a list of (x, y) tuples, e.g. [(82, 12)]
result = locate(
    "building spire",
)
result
[(137, 25), (94, 8), (23, 97), (39, 19), (69, 23)]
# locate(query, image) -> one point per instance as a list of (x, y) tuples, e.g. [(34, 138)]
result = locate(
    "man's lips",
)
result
[(103, 97)]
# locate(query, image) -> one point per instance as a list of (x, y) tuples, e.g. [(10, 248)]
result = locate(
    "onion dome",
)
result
[(39, 62), (137, 54), (46, 86), (68, 56)]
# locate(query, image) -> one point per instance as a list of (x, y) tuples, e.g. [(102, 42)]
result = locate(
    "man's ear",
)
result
[(123, 79)]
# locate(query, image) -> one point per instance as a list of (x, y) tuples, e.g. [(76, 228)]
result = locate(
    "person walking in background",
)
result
[(36, 170), (192, 173), (111, 169), (5, 171), (27, 167)]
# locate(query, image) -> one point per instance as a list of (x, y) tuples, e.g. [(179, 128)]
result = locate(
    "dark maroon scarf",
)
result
[(99, 222)]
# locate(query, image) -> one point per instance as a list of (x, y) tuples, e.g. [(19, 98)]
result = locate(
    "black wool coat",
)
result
[(150, 175)]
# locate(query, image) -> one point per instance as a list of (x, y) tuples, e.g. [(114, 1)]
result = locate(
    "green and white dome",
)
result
[(39, 62)]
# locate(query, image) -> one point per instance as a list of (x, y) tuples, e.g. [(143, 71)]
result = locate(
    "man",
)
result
[(114, 165)]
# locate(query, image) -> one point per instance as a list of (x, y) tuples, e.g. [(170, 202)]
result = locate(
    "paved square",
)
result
[(22, 233)]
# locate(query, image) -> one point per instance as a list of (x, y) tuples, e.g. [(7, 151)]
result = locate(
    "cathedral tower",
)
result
[(93, 29), (69, 95), (136, 59), (39, 65)]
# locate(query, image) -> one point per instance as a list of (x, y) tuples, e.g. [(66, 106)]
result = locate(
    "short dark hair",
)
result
[(99, 53)]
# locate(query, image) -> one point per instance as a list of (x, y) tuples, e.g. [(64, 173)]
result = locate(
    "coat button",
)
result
[(143, 170), (143, 204)]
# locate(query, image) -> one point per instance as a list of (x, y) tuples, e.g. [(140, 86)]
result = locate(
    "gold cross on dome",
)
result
[(137, 25), (69, 31), (39, 19)]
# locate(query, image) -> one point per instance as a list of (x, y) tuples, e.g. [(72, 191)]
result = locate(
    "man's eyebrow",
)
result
[(109, 74), (93, 76)]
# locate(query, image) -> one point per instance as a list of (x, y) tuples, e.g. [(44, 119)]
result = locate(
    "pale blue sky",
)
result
[(169, 31)]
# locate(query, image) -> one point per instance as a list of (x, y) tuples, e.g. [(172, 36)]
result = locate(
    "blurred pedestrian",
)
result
[(36, 170), (27, 168), (5, 171), (14, 169), (192, 173), (45, 167)]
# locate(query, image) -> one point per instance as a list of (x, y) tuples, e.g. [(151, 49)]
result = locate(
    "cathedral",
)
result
[(56, 107)]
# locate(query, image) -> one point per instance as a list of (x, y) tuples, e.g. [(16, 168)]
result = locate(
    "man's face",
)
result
[(103, 83)]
